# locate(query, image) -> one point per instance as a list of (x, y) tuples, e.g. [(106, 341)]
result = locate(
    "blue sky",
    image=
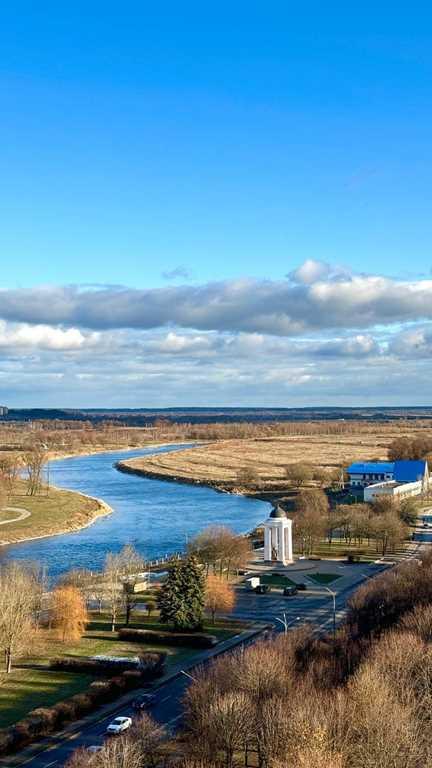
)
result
[(159, 145)]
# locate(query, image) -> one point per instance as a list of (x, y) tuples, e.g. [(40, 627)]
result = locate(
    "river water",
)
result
[(156, 516)]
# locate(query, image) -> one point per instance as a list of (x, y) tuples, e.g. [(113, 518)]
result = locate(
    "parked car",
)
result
[(94, 748), (290, 591), (119, 725), (143, 702), (301, 587)]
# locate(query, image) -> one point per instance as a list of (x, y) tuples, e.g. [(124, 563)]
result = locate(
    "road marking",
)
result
[(165, 699)]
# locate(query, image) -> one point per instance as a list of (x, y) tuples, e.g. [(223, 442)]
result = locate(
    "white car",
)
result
[(94, 748), (119, 725)]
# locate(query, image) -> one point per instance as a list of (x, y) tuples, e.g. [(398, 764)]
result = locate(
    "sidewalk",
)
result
[(14, 760)]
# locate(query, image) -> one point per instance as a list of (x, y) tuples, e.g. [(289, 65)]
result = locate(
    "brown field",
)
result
[(218, 463)]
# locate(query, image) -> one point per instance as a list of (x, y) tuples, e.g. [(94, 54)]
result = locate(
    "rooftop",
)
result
[(374, 467), (409, 471)]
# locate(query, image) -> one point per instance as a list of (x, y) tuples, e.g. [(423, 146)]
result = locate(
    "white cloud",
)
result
[(284, 308), (318, 337), (310, 272), (28, 336)]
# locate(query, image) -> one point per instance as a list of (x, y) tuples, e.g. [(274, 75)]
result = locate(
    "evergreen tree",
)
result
[(194, 591), (170, 600), (182, 597)]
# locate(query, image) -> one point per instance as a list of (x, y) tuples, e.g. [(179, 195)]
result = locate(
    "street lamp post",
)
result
[(285, 623), (333, 594)]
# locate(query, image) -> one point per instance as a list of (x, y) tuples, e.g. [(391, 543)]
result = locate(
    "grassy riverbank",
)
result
[(51, 512)]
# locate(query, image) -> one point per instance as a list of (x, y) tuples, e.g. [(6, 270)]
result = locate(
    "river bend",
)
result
[(156, 516)]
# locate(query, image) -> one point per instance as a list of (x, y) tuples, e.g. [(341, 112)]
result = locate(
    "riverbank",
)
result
[(86, 451), (60, 512), (286, 497)]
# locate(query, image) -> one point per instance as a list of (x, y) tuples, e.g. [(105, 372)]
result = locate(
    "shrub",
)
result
[(21, 734), (83, 702), (100, 690), (151, 664), (91, 666), (153, 637), (66, 710), (133, 678), (43, 719), (6, 740)]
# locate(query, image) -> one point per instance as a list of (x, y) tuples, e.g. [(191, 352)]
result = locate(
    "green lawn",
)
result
[(30, 688), (27, 688), (276, 580), (324, 578), (59, 511)]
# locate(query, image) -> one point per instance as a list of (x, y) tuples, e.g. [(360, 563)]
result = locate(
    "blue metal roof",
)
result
[(409, 471), (372, 467)]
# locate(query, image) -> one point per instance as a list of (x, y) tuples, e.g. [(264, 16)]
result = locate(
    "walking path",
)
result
[(23, 513)]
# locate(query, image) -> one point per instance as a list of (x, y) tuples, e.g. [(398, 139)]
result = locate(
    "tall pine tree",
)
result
[(182, 597)]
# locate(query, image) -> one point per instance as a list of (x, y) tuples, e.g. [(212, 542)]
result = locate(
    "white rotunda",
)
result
[(278, 537)]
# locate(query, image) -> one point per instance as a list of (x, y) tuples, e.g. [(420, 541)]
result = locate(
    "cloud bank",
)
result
[(284, 308), (322, 335)]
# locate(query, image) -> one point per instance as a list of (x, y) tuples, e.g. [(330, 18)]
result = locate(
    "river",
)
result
[(157, 517)]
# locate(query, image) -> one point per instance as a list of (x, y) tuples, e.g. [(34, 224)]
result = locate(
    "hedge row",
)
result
[(190, 640), (43, 720), (149, 665)]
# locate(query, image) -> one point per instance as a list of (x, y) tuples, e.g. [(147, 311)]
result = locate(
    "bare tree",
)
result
[(298, 474), (132, 568), (229, 724), (218, 547), (18, 595), (9, 470), (311, 518), (113, 586), (34, 462)]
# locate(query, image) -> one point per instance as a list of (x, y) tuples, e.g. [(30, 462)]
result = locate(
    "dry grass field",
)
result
[(219, 463)]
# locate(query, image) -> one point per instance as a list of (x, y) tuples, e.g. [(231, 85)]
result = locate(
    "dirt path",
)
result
[(23, 513)]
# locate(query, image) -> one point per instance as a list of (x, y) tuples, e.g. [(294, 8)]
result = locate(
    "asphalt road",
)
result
[(314, 606)]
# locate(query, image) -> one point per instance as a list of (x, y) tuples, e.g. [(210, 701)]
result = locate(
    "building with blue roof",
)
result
[(394, 478)]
